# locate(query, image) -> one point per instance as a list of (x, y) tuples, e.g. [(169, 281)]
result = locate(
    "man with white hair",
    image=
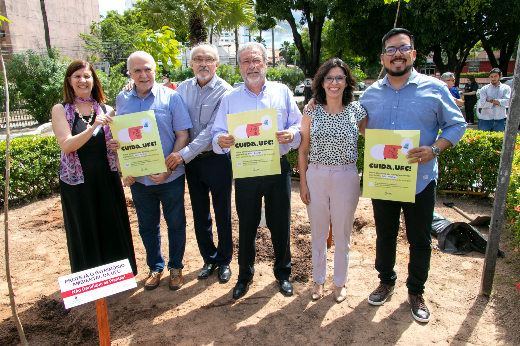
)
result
[(166, 188), (449, 79), (255, 94), (205, 170)]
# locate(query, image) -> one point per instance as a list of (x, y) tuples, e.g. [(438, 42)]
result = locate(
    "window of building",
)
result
[(428, 69), (473, 66)]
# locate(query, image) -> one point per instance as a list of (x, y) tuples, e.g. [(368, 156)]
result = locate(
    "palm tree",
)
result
[(279, 29)]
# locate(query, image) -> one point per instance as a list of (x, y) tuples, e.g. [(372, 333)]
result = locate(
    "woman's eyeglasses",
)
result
[(340, 79)]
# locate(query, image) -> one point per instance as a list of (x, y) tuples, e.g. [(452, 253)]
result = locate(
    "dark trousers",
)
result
[(213, 174), (276, 189), (469, 105), (418, 219)]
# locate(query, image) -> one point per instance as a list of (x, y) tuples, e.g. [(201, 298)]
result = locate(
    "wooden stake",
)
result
[(102, 322), (504, 174), (329, 239)]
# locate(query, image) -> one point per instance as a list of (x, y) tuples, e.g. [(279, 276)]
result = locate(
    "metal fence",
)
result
[(18, 117)]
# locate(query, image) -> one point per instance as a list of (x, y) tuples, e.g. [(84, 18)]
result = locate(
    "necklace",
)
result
[(81, 116)]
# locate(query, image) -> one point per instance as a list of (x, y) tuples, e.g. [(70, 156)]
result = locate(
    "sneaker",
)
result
[(176, 278), (381, 294), (419, 309), (152, 281)]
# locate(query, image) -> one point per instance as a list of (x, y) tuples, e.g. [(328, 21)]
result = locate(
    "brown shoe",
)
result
[(419, 309), (176, 279), (381, 294), (152, 281)]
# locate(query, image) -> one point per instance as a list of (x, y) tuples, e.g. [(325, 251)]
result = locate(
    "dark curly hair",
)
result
[(317, 85)]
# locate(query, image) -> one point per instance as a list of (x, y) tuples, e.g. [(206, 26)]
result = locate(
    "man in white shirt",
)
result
[(494, 98)]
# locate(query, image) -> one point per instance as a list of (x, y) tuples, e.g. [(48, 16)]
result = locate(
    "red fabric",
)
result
[(172, 86)]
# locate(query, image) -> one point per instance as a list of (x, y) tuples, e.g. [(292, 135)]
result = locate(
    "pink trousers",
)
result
[(334, 193)]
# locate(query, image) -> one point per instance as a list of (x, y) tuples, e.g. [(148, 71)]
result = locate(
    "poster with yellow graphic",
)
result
[(256, 151), (140, 150), (386, 173)]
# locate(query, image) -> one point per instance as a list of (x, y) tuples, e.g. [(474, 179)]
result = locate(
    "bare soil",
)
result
[(204, 313)]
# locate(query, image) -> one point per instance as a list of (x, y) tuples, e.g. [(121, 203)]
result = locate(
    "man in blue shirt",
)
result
[(449, 79), (257, 93), (408, 100), (167, 188), (205, 170)]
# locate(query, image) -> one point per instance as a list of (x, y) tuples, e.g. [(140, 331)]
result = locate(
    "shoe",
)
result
[(381, 294), (152, 281), (340, 293), (241, 289), (286, 288), (224, 273), (176, 278), (419, 309), (317, 291), (206, 271)]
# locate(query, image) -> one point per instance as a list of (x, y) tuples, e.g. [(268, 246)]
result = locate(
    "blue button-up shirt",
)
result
[(171, 114), (273, 95), (203, 104), (422, 103)]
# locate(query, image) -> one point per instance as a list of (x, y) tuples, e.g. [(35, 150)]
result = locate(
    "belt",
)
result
[(283, 157), (205, 155)]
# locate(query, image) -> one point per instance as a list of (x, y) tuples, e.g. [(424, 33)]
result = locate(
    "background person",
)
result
[(470, 99), (494, 100), (449, 79), (167, 83), (92, 198), (330, 185)]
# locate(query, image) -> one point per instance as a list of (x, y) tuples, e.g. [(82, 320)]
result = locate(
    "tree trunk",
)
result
[(46, 28), (236, 46), (197, 29), (211, 36), (272, 45), (17, 322)]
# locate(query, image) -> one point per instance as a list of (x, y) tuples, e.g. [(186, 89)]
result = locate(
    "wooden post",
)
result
[(504, 174), (329, 239), (102, 322)]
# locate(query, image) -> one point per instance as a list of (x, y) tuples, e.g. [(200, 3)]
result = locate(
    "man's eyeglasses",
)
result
[(340, 79), (208, 61), (403, 49)]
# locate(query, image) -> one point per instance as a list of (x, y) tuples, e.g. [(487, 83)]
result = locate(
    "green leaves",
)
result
[(162, 45)]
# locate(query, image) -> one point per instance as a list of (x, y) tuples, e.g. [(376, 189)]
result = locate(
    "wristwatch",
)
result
[(436, 151)]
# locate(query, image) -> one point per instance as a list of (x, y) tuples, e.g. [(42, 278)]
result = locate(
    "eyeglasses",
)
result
[(392, 50), (247, 62), (208, 61), (340, 79)]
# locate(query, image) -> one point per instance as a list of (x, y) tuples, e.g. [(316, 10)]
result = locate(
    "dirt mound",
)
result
[(46, 219)]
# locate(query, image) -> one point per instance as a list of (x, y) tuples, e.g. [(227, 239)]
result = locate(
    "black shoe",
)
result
[(419, 309), (286, 288), (241, 289), (207, 270), (381, 294), (224, 273)]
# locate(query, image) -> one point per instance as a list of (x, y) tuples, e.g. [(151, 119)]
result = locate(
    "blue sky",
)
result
[(119, 6)]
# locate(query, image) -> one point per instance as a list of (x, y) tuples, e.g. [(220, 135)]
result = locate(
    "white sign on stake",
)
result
[(96, 283)]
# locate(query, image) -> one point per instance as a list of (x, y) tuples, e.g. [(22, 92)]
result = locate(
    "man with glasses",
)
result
[(449, 79), (255, 94), (407, 100), (205, 170), (167, 188), (494, 100)]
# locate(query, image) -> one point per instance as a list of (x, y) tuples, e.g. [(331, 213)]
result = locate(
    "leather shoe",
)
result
[(286, 288), (224, 273), (176, 278), (241, 289), (207, 270), (152, 281)]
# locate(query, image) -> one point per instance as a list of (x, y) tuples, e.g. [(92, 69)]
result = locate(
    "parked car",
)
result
[(299, 89), (237, 84), (361, 86), (508, 81)]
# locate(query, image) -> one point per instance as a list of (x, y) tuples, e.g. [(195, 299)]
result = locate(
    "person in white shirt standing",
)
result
[(494, 98)]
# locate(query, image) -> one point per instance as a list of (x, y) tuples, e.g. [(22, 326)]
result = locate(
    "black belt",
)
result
[(205, 155)]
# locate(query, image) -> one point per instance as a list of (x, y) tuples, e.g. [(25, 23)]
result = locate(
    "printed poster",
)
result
[(141, 150), (256, 151), (387, 174)]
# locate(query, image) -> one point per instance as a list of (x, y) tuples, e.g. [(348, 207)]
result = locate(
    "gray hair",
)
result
[(142, 53), (447, 75), (252, 45), (205, 45)]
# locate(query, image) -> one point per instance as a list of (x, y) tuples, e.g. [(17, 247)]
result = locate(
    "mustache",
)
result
[(253, 70), (399, 58), (203, 68)]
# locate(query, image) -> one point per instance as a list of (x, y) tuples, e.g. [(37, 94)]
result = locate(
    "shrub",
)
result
[(39, 80), (112, 84), (229, 73), (178, 75), (481, 74), (35, 165)]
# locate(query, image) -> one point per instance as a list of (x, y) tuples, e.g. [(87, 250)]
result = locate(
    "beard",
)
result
[(251, 79), (398, 73), (200, 76)]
